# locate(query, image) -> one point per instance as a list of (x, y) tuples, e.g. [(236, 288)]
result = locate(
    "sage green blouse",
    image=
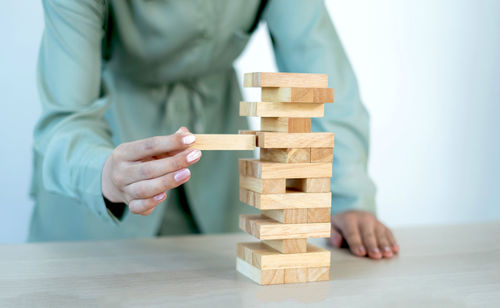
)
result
[(116, 71)]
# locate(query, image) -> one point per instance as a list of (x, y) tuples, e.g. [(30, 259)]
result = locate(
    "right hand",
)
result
[(139, 173)]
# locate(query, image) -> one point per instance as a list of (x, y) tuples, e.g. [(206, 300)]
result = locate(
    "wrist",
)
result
[(109, 190)]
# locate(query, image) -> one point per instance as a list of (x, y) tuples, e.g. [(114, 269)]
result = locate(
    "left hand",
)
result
[(364, 233)]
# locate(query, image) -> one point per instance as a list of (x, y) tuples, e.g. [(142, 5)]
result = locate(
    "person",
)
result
[(118, 78)]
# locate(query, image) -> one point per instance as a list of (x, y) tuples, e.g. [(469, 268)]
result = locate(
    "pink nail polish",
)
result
[(159, 197), (362, 250), (375, 250), (181, 175), (194, 155), (188, 139), (387, 249)]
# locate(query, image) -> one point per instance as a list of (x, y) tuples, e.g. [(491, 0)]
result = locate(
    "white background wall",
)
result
[(429, 73)]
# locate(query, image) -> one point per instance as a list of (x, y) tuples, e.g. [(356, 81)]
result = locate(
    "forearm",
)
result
[(313, 46)]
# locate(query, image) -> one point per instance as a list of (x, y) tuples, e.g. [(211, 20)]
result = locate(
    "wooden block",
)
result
[(288, 246), (242, 167), (319, 215), (224, 142), (270, 170), (295, 140), (318, 274), (262, 277), (286, 125), (299, 80), (299, 125), (295, 275), (247, 132), (312, 274), (263, 257), (298, 95), (312, 185), (265, 228), (263, 186), (289, 200), (321, 155), (275, 124), (289, 216), (286, 155), (273, 109)]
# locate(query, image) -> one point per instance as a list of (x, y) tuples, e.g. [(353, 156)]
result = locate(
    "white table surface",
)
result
[(438, 266)]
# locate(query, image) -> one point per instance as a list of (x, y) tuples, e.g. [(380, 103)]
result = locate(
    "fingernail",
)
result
[(179, 130), (181, 175), (159, 197), (375, 250), (387, 249), (361, 250), (395, 247), (194, 155), (188, 139)]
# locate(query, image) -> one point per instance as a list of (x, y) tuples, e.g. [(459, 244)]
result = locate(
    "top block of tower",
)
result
[(285, 80)]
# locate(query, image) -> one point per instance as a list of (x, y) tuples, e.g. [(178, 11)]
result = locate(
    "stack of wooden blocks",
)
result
[(290, 183)]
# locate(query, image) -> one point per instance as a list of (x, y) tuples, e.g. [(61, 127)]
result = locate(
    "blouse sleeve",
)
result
[(72, 138), (304, 40)]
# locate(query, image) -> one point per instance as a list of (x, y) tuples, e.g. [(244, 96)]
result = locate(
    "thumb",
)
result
[(335, 238)]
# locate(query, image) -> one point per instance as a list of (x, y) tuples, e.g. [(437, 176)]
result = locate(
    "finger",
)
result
[(146, 206), (335, 238), (383, 242), (183, 129), (171, 153), (353, 238), (392, 241), (156, 168), (147, 213), (137, 150), (149, 188), (369, 240)]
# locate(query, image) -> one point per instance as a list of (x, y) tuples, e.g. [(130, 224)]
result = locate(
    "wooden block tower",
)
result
[(290, 183)]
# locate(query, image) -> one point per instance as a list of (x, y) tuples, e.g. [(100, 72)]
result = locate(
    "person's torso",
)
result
[(156, 42)]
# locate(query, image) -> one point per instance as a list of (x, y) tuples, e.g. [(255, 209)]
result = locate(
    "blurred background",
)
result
[(429, 74)]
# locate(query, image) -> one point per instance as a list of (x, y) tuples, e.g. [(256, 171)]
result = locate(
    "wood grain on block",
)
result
[(273, 140), (318, 274), (295, 275), (297, 95), (262, 277), (263, 257), (289, 200), (247, 132), (298, 245), (265, 228), (269, 170), (299, 80), (299, 125), (242, 167), (286, 125), (286, 155), (263, 186), (312, 185), (319, 215), (321, 155), (288, 216), (282, 276), (273, 109), (224, 142)]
